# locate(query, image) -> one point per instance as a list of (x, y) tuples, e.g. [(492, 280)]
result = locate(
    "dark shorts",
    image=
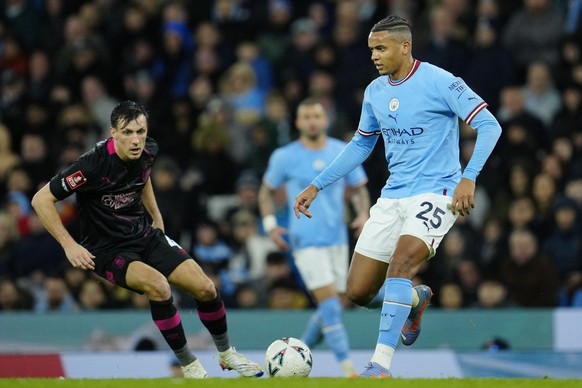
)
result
[(154, 249)]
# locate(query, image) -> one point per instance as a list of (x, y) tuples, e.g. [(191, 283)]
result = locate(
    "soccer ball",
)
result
[(288, 357)]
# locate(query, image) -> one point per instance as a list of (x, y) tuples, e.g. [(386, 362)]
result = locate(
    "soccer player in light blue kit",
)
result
[(415, 107), (319, 247)]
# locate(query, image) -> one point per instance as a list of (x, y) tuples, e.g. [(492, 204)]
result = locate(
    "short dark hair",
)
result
[(393, 23), (127, 111)]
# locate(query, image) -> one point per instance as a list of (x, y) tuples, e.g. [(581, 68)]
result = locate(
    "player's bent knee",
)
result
[(157, 289), (359, 296), (206, 291)]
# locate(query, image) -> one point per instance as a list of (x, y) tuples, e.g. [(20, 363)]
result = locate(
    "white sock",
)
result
[(383, 355), (415, 298)]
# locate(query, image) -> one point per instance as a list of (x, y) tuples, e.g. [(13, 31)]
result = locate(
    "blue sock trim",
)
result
[(395, 310), (330, 311), (334, 332), (312, 331)]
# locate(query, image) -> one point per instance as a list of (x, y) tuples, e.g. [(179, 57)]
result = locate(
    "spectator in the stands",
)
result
[(531, 278)]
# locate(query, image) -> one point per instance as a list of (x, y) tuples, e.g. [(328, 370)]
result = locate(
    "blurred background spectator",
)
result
[(531, 277)]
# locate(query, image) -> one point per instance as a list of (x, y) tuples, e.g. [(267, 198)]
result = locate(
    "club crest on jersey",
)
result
[(393, 104), (75, 180), (318, 165)]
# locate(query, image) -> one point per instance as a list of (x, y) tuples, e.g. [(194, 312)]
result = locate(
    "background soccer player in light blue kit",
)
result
[(415, 108), (319, 247)]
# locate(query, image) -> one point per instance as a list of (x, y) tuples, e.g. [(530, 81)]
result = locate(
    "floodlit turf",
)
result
[(290, 383)]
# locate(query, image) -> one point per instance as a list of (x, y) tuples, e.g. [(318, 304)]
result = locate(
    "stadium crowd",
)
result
[(221, 79)]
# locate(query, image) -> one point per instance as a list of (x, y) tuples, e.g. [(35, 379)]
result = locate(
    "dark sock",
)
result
[(167, 319), (213, 316), (185, 356)]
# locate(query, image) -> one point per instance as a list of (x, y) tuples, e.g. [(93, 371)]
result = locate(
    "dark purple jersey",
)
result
[(109, 193)]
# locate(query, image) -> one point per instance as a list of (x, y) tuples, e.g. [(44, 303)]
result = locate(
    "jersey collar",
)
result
[(415, 66), (110, 146)]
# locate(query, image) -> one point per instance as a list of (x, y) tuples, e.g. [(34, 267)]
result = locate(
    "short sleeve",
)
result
[(276, 174), (76, 177)]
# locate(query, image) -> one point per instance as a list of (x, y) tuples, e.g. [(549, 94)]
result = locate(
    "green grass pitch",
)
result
[(291, 383)]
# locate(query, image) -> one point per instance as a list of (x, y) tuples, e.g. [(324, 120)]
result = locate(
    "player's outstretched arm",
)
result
[(303, 201), (43, 203)]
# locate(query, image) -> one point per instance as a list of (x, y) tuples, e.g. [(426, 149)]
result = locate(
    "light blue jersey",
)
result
[(417, 117), (296, 166)]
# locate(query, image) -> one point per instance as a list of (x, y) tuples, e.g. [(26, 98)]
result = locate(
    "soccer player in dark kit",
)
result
[(118, 242)]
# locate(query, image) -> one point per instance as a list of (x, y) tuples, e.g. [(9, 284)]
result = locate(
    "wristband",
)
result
[(269, 223)]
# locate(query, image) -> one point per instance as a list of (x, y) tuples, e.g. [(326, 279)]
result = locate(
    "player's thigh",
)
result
[(365, 278), (174, 262), (190, 277), (145, 279), (315, 265), (113, 264), (410, 253), (427, 219), (374, 250), (380, 233)]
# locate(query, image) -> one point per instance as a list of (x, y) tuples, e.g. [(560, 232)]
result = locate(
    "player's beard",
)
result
[(315, 135)]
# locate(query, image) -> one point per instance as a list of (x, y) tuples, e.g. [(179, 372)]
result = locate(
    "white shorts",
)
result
[(426, 216), (323, 266)]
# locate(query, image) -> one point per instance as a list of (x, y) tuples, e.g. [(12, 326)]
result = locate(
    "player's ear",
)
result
[(406, 47)]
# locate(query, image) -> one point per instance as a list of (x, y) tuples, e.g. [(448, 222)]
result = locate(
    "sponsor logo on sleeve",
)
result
[(64, 185), (75, 180)]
